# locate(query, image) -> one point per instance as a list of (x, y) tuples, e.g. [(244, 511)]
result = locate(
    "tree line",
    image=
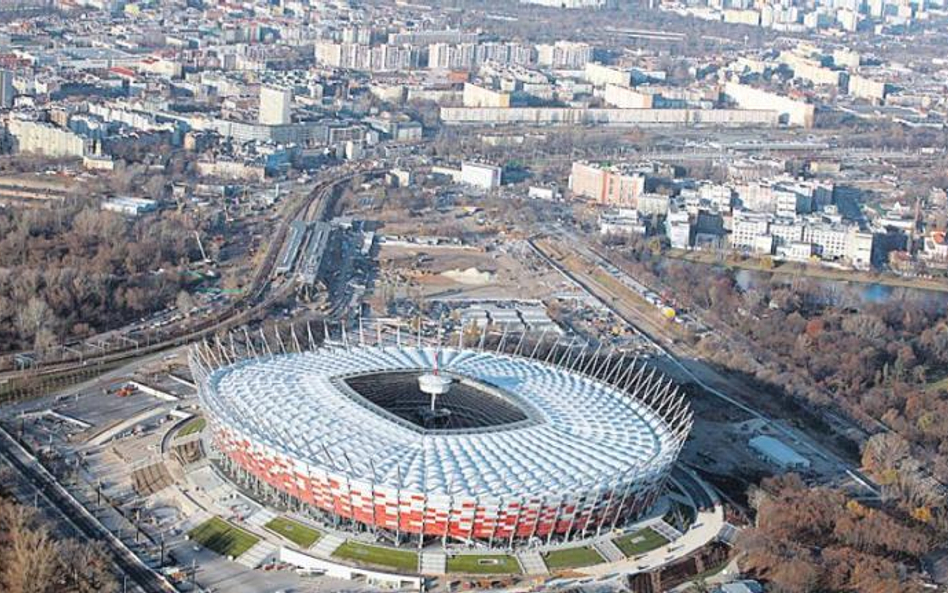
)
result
[(823, 346), (808, 539), (75, 270), (33, 559)]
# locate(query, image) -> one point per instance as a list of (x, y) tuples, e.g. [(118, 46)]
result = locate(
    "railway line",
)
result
[(80, 519), (263, 292)]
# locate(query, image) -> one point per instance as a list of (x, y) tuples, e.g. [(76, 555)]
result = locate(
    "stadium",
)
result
[(423, 442)]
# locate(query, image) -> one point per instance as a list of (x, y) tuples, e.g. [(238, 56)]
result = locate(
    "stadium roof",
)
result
[(581, 432)]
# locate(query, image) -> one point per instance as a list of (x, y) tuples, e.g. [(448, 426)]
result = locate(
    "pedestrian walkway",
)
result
[(666, 530), (609, 550), (433, 563), (705, 528), (532, 562), (326, 545), (262, 552), (261, 517)]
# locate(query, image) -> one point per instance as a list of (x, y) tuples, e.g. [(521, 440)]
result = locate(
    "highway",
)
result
[(80, 519)]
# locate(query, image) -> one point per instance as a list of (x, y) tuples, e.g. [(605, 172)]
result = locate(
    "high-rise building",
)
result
[(275, 106), (606, 185), (6, 89)]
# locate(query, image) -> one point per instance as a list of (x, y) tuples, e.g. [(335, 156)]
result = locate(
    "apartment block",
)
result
[(478, 96), (606, 185)]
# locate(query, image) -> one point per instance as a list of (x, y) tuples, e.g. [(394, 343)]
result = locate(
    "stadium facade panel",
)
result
[(516, 449)]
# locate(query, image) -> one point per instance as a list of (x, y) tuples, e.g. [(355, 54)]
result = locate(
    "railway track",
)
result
[(82, 520), (263, 292)]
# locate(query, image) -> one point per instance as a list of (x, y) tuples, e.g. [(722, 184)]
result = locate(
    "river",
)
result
[(847, 293)]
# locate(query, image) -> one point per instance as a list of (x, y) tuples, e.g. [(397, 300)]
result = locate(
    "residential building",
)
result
[(678, 229), (606, 185), (565, 54), (46, 139), (622, 221), (600, 75), (275, 106), (627, 98), (481, 175), (478, 96), (7, 92), (796, 113)]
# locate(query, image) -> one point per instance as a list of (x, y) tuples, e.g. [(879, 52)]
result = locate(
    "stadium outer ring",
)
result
[(332, 484)]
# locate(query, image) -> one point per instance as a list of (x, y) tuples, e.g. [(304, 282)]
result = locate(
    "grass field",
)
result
[(483, 564), (299, 534), (397, 559), (195, 425), (643, 540), (222, 537), (572, 558)]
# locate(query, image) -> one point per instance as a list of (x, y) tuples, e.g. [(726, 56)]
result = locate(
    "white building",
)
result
[(678, 229), (275, 106), (651, 204), (130, 206), (600, 75), (626, 98), (747, 227), (480, 175), (622, 221), (778, 453), (543, 193), (796, 113), (46, 139), (565, 54)]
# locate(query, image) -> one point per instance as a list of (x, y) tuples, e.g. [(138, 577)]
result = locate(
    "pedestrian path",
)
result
[(532, 562), (326, 545), (666, 530), (261, 517), (433, 563), (609, 550), (259, 554)]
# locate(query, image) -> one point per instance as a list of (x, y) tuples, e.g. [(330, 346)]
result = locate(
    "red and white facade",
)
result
[(593, 455)]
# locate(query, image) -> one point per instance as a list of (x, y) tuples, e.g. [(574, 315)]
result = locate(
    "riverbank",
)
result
[(812, 271)]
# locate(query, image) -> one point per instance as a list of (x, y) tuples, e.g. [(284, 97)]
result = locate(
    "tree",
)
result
[(28, 554), (33, 561), (184, 302), (32, 317)]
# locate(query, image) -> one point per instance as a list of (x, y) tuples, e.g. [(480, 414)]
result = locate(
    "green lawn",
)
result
[(643, 540), (195, 425), (572, 558), (388, 557), (299, 534), (483, 564), (222, 537)]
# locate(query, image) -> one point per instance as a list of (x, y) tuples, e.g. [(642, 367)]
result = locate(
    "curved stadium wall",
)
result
[(526, 449)]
